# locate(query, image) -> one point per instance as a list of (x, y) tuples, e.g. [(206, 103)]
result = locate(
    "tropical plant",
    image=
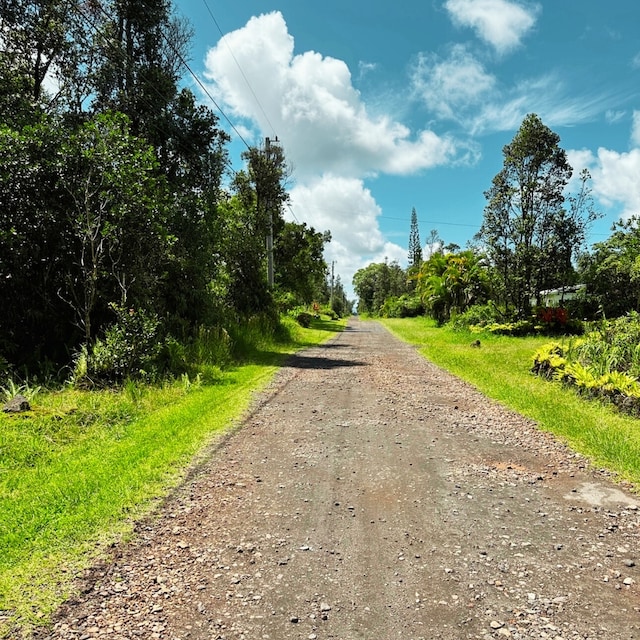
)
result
[(450, 283)]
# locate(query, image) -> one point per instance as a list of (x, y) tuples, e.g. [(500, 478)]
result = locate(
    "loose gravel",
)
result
[(371, 495)]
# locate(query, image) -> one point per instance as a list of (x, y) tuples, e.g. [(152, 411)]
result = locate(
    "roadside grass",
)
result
[(500, 369), (82, 466)]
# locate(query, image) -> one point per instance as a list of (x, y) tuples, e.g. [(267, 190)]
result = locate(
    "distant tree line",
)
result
[(118, 201), (532, 240)]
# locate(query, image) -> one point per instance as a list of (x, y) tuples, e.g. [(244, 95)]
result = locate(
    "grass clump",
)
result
[(82, 465), (500, 369)]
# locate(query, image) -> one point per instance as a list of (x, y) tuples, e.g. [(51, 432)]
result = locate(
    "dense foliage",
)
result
[(611, 271), (114, 206), (530, 234), (604, 363), (529, 271)]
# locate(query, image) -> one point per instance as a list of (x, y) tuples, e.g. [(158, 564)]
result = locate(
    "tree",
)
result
[(33, 42), (117, 218), (450, 283), (611, 271), (192, 159), (299, 261), (35, 324), (377, 282), (524, 227), (415, 248), (340, 304), (266, 175), (139, 49)]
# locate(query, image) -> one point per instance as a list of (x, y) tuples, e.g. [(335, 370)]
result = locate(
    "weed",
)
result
[(12, 389)]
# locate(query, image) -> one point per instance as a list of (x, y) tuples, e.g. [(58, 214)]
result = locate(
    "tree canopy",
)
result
[(530, 236), (117, 189)]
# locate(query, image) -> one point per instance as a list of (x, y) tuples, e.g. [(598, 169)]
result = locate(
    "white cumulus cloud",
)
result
[(310, 102), (449, 86), (329, 136), (347, 208), (614, 177), (501, 23)]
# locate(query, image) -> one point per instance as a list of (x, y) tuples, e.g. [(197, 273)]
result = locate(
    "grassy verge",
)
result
[(500, 369), (78, 470)]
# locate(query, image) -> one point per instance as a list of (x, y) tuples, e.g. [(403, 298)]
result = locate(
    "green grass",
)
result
[(78, 470), (500, 369)]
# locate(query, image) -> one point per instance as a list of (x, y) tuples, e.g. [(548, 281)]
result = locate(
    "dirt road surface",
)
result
[(370, 495)]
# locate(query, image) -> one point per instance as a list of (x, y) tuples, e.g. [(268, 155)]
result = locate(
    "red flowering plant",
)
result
[(552, 319)]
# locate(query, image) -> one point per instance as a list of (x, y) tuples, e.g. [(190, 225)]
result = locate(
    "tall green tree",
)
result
[(117, 218), (611, 271), (300, 268), (340, 304), (525, 216), (251, 216), (415, 248), (34, 41), (376, 282), (192, 160), (34, 245), (139, 48)]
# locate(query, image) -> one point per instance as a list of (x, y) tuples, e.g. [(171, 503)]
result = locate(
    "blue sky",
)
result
[(383, 106)]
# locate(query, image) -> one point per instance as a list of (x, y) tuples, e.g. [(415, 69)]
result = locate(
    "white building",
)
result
[(554, 297)]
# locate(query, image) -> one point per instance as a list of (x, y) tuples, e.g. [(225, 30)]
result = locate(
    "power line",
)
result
[(292, 213), (450, 224), (206, 4), (195, 77), (175, 52)]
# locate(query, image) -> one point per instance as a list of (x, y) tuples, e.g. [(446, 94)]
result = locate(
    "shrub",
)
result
[(327, 310), (304, 319), (557, 320), (548, 360), (405, 306), (518, 328), (601, 364), (477, 315), (128, 348)]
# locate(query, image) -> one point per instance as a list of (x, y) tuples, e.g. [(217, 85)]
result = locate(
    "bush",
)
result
[(328, 311), (548, 360), (304, 319), (405, 306), (602, 364), (519, 328), (477, 315), (285, 301), (128, 349)]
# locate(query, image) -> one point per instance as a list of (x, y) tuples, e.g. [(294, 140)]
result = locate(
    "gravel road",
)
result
[(370, 495)]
